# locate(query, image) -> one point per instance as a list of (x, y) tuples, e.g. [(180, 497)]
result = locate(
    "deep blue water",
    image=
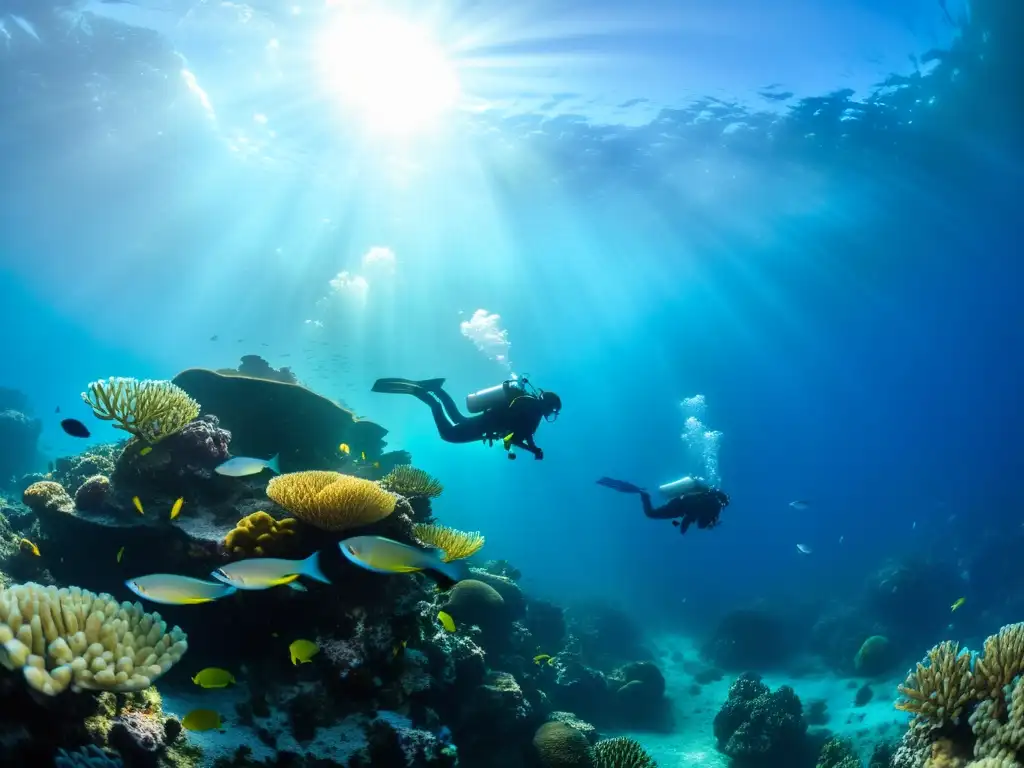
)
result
[(798, 214)]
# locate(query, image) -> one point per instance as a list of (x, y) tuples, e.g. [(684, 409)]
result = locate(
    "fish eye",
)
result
[(351, 549), (220, 572)]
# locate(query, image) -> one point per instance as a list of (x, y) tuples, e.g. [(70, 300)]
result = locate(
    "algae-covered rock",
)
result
[(272, 417)]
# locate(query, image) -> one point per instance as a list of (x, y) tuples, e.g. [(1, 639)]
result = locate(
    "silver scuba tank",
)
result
[(683, 486), (493, 397)]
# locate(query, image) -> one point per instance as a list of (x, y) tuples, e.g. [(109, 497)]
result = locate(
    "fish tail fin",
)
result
[(447, 575), (311, 568), (274, 465)]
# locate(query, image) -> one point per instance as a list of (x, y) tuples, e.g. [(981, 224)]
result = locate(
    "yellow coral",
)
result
[(150, 410), (1001, 662), (72, 637), (411, 482), (456, 544), (331, 501), (48, 496), (259, 534), (937, 691)]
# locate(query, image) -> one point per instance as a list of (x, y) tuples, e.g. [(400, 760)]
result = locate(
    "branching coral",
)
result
[(331, 501), (455, 544), (72, 637), (412, 483), (1001, 663), (260, 534), (622, 752), (149, 410), (939, 690)]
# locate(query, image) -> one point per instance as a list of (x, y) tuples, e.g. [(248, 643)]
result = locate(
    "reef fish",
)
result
[(138, 504), (958, 603), (176, 509), (201, 720), (543, 657), (267, 572), (120, 554), (213, 677), (29, 546), (243, 466), (800, 505), (375, 553), (146, 451), (74, 427), (803, 549), (446, 621), (172, 589), (303, 651), (344, 448)]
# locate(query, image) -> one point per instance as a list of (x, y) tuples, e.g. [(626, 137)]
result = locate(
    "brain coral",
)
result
[(473, 602), (72, 637), (561, 746), (47, 496), (331, 501)]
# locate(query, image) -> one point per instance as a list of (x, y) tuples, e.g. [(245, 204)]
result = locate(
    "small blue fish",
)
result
[(172, 589), (243, 466)]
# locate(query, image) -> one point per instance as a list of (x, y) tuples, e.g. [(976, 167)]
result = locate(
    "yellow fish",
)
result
[(146, 451), (446, 621), (958, 603), (176, 509), (201, 720), (303, 651), (138, 504), (538, 659), (507, 442), (363, 455), (120, 554), (213, 677), (344, 448), (30, 547), (399, 647)]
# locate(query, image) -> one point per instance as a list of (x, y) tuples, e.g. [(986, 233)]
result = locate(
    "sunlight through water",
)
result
[(387, 70)]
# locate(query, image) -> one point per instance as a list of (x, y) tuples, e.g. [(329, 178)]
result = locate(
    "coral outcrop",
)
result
[(412, 483), (48, 497), (760, 726), (147, 410), (260, 534), (331, 501)]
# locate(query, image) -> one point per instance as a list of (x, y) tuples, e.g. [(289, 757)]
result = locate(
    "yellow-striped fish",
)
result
[(176, 509), (172, 589), (120, 554), (146, 451), (29, 546), (138, 504), (267, 572), (958, 603)]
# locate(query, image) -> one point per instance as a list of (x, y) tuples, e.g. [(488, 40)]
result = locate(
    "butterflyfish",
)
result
[(29, 547), (243, 466), (303, 651), (176, 509), (201, 720), (172, 589), (446, 621), (381, 555), (138, 505), (958, 603), (344, 448), (146, 451), (213, 677), (267, 572), (120, 554)]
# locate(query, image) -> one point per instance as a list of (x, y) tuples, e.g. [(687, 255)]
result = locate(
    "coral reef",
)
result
[(260, 534), (86, 757), (331, 501), (19, 435), (559, 745), (456, 545), (838, 753), (759, 726), (939, 689), (48, 497), (147, 410), (256, 367), (62, 637), (622, 752), (875, 656), (412, 483)]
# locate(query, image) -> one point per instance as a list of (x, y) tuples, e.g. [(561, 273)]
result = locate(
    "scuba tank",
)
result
[(683, 486), (497, 396)]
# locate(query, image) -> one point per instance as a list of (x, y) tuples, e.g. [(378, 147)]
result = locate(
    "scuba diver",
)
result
[(693, 501), (510, 412)]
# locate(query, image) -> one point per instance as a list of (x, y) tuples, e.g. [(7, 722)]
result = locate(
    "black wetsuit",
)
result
[(520, 418), (701, 508)]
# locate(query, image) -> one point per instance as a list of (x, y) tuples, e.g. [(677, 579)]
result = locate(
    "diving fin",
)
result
[(405, 386), (619, 485)]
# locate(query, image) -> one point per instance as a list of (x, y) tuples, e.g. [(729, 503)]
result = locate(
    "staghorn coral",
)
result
[(72, 637), (622, 752), (149, 410), (457, 545), (412, 483), (47, 496), (939, 690), (1001, 662), (331, 501), (260, 534)]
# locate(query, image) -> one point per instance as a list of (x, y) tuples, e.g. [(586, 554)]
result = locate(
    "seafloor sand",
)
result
[(692, 744)]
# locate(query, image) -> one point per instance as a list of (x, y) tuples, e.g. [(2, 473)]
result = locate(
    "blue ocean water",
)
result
[(806, 214)]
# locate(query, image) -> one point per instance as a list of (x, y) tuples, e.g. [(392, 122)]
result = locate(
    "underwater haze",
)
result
[(772, 245)]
